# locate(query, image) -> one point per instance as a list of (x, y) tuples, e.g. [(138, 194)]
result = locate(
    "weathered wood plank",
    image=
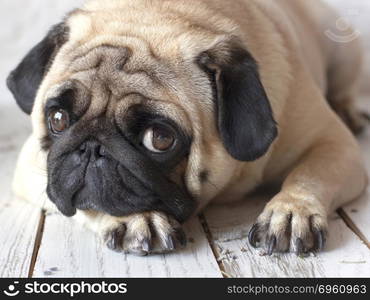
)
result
[(18, 219), (19, 223), (345, 254), (68, 250)]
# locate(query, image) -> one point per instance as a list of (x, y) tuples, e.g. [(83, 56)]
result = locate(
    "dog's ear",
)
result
[(25, 80), (244, 115)]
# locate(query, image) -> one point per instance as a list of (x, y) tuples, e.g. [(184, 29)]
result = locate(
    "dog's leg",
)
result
[(344, 76), (345, 107), (328, 175), (141, 234)]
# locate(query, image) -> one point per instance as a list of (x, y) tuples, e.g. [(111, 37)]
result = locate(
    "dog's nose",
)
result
[(92, 150)]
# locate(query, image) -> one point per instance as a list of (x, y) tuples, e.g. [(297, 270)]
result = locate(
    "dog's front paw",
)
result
[(144, 234), (290, 224)]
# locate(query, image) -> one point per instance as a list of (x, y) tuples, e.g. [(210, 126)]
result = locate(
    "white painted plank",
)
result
[(344, 256), (19, 223), (18, 220), (68, 250)]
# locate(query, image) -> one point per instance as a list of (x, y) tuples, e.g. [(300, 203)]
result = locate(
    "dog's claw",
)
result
[(320, 240), (112, 242), (271, 244), (252, 235), (170, 243), (146, 245), (114, 238), (143, 247), (181, 237), (299, 247)]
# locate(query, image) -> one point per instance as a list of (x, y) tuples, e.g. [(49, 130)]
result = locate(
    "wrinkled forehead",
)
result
[(101, 49), (109, 74), (110, 61)]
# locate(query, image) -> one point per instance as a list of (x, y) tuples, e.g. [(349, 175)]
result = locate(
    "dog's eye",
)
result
[(159, 139), (58, 120)]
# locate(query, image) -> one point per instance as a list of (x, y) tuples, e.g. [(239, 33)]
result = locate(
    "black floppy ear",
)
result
[(25, 80), (245, 118)]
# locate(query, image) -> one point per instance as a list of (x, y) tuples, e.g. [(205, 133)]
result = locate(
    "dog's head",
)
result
[(138, 118)]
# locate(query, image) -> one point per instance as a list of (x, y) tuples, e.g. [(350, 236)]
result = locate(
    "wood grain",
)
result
[(68, 250), (345, 254), (17, 236), (18, 219)]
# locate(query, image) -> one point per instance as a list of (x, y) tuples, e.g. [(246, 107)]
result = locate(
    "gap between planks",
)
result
[(352, 226), (79, 252), (37, 244), (41, 225), (213, 246), (225, 268)]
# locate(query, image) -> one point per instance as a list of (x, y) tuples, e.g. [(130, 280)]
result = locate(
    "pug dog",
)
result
[(145, 111)]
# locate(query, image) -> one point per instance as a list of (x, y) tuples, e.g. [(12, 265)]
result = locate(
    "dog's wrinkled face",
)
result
[(111, 146), (130, 128), (118, 163)]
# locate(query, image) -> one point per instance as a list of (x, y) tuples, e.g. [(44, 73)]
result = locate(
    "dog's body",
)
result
[(305, 75)]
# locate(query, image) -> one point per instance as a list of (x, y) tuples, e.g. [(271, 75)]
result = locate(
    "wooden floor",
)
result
[(38, 245)]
